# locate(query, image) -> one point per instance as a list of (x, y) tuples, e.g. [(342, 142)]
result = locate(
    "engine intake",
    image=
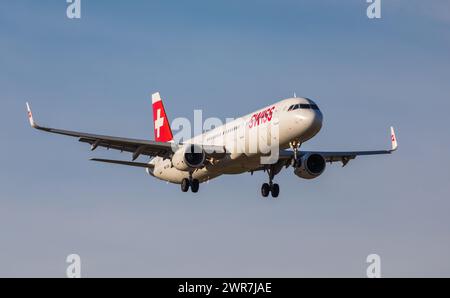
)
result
[(189, 157), (310, 166)]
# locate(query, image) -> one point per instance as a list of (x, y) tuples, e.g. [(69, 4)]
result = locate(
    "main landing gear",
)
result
[(270, 187), (194, 184)]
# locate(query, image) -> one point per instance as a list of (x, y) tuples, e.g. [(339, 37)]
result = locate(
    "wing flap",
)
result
[(125, 163)]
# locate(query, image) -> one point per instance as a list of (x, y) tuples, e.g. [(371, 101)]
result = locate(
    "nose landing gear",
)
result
[(295, 145)]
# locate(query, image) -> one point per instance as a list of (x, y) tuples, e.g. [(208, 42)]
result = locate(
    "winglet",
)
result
[(393, 140), (30, 117)]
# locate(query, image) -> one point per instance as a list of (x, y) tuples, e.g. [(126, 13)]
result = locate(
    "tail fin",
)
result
[(162, 130)]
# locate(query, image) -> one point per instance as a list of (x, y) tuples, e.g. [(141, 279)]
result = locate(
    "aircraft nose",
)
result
[(309, 120), (317, 120)]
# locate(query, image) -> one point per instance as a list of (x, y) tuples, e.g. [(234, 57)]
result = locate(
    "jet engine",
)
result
[(189, 157), (310, 166)]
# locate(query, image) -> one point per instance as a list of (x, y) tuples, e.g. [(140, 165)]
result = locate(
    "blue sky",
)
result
[(228, 58)]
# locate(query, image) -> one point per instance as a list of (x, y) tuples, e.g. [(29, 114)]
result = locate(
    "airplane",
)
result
[(215, 152)]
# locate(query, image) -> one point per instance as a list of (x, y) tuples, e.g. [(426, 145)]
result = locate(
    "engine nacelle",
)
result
[(310, 166), (189, 157)]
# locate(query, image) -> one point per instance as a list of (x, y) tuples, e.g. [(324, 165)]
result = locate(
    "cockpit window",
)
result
[(305, 106)]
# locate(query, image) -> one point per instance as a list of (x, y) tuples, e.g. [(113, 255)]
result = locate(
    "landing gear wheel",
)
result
[(195, 185), (185, 185), (271, 187), (265, 189), (275, 190)]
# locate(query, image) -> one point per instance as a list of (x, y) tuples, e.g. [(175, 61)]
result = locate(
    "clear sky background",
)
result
[(228, 58)]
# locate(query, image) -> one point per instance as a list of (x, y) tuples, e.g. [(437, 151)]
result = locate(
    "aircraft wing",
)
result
[(343, 156), (136, 146)]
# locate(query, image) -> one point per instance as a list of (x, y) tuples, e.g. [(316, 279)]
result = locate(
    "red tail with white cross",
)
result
[(162, 131)]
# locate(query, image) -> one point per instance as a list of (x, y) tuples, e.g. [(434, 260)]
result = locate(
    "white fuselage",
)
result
[(275, 125)]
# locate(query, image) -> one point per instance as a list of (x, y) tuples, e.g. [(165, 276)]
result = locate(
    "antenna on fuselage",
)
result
[(295, 95)]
